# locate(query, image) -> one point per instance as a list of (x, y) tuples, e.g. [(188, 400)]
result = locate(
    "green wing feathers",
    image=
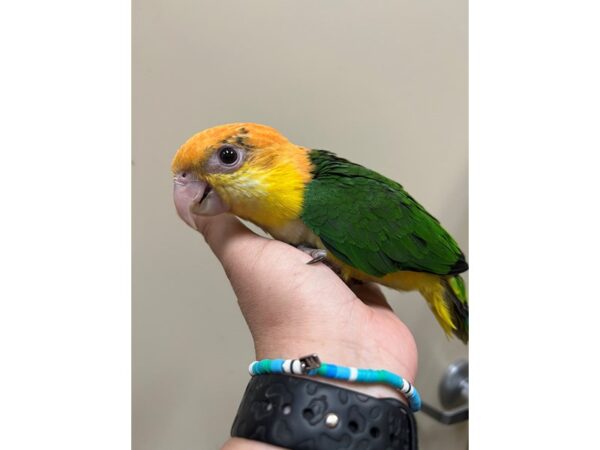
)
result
[(371, 223)]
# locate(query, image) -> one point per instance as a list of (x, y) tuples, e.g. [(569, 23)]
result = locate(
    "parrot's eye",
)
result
[(226, 159), (228, 155)]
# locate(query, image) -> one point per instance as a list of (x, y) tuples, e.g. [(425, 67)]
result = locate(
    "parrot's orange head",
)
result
[(247, 169)]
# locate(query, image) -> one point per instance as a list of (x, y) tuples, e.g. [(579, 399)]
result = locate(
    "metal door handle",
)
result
[(453, 392)]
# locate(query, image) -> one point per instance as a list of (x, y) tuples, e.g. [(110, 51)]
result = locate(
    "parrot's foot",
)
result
[(320, 255), (317, 254)]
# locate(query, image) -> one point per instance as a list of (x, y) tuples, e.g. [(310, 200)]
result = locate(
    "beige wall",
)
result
[(383, 83)]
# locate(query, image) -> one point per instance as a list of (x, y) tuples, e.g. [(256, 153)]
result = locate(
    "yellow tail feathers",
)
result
[(448, 302)]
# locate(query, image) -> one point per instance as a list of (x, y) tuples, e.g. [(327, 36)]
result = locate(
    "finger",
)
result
[(229, 239), (370, 294)]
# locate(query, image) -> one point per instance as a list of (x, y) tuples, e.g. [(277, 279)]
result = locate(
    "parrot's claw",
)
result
[(322, 254), (317, 255)]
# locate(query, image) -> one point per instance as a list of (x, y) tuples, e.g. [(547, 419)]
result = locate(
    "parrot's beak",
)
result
[(195, 197)]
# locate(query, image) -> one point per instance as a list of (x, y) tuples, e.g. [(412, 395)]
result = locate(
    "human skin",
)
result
[(294, 309)]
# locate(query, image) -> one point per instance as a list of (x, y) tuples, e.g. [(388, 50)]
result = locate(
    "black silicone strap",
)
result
[(293, 412)]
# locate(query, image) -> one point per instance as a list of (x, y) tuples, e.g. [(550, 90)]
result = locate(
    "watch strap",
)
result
[(303, 414)]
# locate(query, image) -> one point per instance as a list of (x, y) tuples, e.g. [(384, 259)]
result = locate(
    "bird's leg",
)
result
[(320, 255), (316, 254)]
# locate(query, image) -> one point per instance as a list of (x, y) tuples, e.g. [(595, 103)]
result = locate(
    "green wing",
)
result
[(372, 224)]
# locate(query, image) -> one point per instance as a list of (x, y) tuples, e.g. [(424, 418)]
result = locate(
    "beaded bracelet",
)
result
[(311, 365)]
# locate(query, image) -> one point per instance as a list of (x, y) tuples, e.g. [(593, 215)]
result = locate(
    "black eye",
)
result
[(228, 155)]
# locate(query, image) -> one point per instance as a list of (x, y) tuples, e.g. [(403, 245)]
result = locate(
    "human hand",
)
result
[(294, 309)]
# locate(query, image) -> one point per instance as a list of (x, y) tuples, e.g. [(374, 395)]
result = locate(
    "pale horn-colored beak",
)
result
[(194, 197)]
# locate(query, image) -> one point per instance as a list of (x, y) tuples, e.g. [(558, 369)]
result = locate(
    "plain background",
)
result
[(381, 83)]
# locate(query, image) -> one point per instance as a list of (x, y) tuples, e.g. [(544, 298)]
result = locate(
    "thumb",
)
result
[(229, 239)]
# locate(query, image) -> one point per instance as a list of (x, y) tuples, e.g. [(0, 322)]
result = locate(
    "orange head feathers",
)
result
[(248, 169)]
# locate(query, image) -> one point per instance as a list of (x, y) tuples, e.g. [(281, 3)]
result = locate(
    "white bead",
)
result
[(331, 420), (353, 374), (250, 368), (287, 366), (296, 367)]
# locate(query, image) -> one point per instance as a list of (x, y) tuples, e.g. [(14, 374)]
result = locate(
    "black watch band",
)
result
[(302, 414)]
